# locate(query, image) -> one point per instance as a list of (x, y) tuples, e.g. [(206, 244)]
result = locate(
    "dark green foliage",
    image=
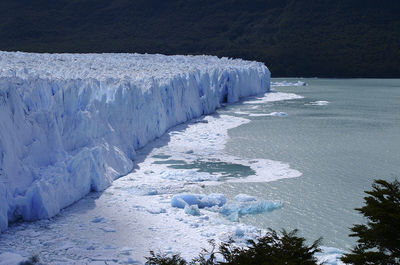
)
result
[(31, 261), (337, 38), (163, 259), (271, 248), (206, 257), (379, 239)]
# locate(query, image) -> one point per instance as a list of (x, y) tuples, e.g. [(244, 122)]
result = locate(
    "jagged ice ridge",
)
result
[(70, 123)]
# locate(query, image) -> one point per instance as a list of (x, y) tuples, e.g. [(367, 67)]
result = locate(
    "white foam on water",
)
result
[(203, 141), (241, 113), (286, 83), (318, 103), (272, 96), (274, 114)]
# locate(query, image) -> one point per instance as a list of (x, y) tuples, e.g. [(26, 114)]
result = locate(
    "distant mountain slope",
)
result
[(334, 38)]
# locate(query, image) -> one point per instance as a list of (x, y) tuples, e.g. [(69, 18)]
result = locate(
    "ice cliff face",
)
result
[(70, 123)]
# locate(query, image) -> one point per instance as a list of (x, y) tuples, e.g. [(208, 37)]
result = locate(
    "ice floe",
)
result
[(234, 210), (242, 204), (272, 97), (286, 83), (274, 114), (318, 103)]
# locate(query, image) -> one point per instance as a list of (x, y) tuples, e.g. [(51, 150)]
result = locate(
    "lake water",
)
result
[(340, 146)]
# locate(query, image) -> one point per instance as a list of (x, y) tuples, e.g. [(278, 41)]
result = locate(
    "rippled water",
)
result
[(343, 134)]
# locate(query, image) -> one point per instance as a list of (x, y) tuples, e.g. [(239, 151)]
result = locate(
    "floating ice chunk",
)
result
[(108, 246), (286, 83), (214, 199), (180, 201), (276, 114), (272, 97), (235, 210), (318, 103), (241, 113), (91, 247), (208, 234), (108, 229), (188, 175), (156, 210), (151, 192), (201, 200), (125, 251), (280, 114), (192, 210), (244, 198), (239, 232), (129, 260), (98, 219)]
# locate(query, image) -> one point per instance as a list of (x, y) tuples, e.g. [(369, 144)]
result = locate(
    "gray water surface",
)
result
[(340, 148)]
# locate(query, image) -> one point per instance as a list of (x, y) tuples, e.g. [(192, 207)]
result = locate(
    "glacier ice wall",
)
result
[(70, 123)]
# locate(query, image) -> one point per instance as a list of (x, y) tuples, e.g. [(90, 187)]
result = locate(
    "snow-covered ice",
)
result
[(9, 258), (136, 212), (71, 123), (77, 125)]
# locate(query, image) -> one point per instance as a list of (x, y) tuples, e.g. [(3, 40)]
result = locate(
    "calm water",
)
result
[(340, 148)]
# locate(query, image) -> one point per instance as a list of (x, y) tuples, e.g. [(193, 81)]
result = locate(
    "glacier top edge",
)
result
[(132, 67)]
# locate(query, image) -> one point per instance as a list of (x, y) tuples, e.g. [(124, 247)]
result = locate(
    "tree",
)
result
[(379, 239), (163, 259), (272, 248)]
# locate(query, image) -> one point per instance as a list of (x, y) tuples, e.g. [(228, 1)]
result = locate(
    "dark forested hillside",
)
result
[(336, 38)]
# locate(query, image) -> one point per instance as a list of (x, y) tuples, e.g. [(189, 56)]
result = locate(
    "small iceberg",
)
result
[(274, 114), (242, 204), (201, 200), (98, 219), (192, 210), (233, 211), (318, 103)]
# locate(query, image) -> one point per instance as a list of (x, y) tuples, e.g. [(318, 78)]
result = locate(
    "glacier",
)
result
[(71, 123)]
